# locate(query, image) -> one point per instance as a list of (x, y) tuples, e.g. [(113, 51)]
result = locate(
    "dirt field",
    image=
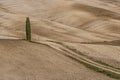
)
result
[(71, 40)]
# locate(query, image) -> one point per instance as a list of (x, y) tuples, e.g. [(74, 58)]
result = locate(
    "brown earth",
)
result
[(91, 27)]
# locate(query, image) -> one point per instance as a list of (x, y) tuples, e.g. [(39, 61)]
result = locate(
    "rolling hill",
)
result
[(71, 40)]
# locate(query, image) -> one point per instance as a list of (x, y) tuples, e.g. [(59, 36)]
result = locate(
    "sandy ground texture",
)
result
[(88, 31)]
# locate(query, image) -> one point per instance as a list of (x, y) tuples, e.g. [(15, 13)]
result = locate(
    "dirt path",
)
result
[(107, 70)]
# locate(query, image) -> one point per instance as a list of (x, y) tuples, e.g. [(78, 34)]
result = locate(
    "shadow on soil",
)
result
[(113, 43)]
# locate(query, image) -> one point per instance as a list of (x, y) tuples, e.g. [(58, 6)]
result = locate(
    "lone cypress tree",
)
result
[(28, 29)]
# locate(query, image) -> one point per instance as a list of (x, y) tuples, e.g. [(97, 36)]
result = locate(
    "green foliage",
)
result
[(28, 29)]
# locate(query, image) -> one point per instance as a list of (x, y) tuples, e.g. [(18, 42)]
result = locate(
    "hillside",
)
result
[(66, 35)]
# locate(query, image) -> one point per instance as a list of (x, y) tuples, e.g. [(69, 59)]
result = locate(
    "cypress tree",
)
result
[(28, 29)]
